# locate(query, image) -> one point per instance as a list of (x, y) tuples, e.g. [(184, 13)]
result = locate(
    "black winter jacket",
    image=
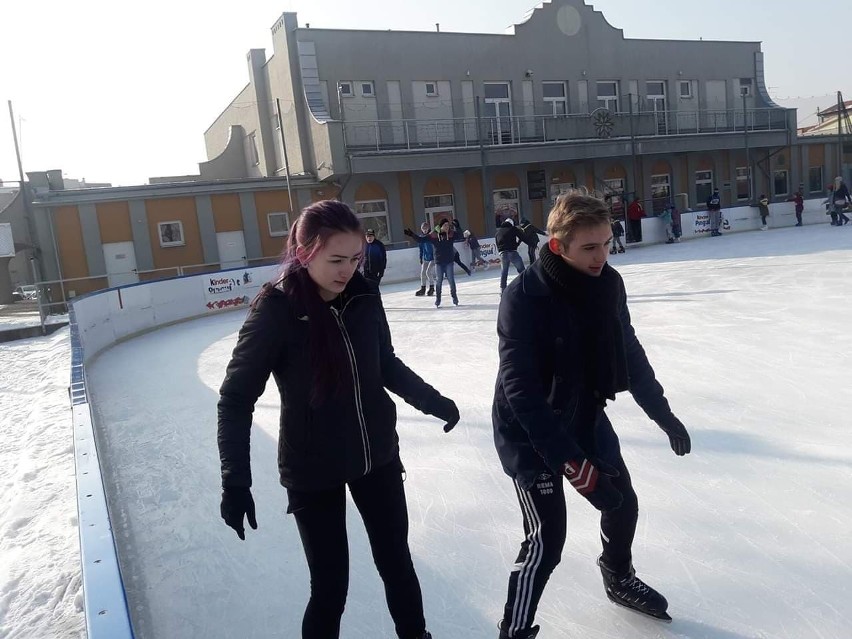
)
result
[(531, 233), (542, 414), (508, 237), (444, 243), (340, 440)]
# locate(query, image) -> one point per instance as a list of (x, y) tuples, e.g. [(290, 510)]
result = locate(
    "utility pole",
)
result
[(748, 154), (486, 208), (840, 134), (28, 212), (284, 150), (633, 146)]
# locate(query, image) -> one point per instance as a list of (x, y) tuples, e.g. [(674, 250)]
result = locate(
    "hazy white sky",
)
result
[(109, 93)]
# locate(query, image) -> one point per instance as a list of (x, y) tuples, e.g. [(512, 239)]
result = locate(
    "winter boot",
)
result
[(527, 633), (612, 251), (626, 589), (431, 290), (621, 249), (421, 292)]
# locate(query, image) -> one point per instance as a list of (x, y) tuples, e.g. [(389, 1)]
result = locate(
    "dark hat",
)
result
[(370, 232)]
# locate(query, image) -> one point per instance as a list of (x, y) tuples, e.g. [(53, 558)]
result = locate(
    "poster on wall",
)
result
[(702, 223), (230, 290)]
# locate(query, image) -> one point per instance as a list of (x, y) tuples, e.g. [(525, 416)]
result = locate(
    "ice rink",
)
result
[(747, 537)]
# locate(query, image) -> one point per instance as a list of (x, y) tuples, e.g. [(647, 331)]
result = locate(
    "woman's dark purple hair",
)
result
[(308, 235)]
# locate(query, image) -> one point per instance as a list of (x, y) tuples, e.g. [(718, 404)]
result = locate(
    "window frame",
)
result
[(347, 83), (369, 83), (821, 186), (786, 173), (702, 201), (607, 99), (742, 178), (680, 84), (272, 233), (386, 239), (553, 101), (434, 92), (173, 243)]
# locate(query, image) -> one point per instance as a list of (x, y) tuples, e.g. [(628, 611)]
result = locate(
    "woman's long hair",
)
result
[(308, 235)]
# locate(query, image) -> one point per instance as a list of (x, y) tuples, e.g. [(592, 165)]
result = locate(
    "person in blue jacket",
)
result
[(427, 264), (566, 347)]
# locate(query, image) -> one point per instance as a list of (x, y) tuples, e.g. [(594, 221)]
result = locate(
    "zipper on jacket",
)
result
[(359, 407)]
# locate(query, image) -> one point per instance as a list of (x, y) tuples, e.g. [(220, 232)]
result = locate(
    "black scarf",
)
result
[(596, 300)]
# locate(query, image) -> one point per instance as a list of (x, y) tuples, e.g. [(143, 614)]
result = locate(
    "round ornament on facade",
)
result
[(569, 20)]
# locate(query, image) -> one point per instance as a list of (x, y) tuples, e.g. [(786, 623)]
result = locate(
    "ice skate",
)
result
[(431, 291), (527, 633), (628, 591), (621, 249), (421, 291)]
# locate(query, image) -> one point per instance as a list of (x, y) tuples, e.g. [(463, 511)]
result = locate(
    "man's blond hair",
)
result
[(576, 210)]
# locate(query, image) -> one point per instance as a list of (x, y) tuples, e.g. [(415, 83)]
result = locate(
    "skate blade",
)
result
[(658, 616)]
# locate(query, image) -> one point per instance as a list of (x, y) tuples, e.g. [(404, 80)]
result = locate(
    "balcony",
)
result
[(384, 144)]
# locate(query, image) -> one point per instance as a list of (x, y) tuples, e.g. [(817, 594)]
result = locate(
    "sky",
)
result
[(747, 536), (109, 92)]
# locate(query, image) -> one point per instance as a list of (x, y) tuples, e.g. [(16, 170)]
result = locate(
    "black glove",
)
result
[(236, 503), (593, 480), (408, 232), (678, 437), (443, 408)]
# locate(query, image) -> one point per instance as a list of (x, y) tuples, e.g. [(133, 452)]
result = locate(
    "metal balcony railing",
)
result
[(600, 124)]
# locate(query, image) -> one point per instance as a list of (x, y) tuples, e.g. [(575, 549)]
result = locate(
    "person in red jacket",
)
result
[(635, 213)]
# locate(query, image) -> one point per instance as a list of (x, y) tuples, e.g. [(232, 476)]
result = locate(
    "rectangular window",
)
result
[(507, 204), (742, 184), (170, 234), (661, 192), (780, 183), (815, 179), (703, 186), (745, 86), (558, 189), (368, 92), (685, 88), (614, 194), (432, 89), (438, 207), (497, 90), (345, 89), (608, 94), (555, 98), (278, 223), (374, 215)]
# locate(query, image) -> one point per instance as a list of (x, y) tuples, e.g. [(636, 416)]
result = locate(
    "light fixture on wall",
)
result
[(584, 73), (528, 73)]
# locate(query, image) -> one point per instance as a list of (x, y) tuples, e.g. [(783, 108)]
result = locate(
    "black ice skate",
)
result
[(527, 633), (421, 291), (629, 591), (431, 291), (621, 249)]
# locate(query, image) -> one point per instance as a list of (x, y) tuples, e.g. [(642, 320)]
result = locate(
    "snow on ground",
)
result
[(40, 586), (747, 537)]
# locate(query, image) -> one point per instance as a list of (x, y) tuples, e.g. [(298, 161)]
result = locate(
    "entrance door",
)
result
[(655, 94), (717, 104), (439, 207), (232, 249), (120, 259)]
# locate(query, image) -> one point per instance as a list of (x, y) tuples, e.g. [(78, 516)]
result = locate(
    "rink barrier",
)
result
[(104, 318), (104, 597)]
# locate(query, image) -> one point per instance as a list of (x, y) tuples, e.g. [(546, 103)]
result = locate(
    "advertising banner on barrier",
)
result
[(231, 289)]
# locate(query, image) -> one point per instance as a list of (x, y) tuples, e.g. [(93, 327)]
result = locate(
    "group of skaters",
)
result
[(438, 253), (566, 347)]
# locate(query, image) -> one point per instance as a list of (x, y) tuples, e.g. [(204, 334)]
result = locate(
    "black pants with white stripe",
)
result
[(321, 519), (543, 508)]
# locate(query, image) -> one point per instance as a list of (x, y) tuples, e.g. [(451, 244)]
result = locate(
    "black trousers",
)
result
[(321, 520), (531, 252), (543, 509), (635, 230)]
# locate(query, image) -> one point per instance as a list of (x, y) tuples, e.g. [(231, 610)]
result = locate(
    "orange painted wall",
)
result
[(69, 242), (114, 221), (227, 214), (438, 186), (181, 209), (475, 209), (370, 191), (506, 181)]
